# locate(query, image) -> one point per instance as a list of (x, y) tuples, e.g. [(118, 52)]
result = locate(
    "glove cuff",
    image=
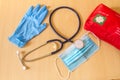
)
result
[(17, 41)]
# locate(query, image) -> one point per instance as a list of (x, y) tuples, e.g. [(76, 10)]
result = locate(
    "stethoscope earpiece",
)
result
[(18, 53)]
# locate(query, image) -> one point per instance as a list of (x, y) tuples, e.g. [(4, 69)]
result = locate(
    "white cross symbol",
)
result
[(99, 19)]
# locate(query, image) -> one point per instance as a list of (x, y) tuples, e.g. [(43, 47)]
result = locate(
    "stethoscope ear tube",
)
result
[(23, 59)]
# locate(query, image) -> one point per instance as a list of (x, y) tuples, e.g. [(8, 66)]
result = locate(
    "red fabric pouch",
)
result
[(105, 23)]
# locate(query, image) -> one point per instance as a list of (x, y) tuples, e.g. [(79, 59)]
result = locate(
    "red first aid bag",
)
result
[(105, 23)]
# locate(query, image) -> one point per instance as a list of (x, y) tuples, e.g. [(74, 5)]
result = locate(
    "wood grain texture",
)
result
[(104, 65)]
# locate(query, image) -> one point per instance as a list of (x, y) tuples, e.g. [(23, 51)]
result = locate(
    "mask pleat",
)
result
[(79, 54)]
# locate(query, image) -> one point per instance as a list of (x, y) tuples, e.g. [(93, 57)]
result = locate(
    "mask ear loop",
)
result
[(59, 72)]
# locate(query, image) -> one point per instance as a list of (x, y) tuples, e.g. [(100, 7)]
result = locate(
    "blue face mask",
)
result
[(78, 52)]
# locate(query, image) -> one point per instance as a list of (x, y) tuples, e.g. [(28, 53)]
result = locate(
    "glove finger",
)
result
[(24, 20), (35, 31), (35, 10), (42, 16), (42, 27), (29, 12), (40, 11), (20, 26)]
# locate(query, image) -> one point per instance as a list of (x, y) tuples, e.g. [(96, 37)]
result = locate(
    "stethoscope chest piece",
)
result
[(79, 44)]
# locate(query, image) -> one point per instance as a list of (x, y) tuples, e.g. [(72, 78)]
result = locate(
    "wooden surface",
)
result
[(103, 65)]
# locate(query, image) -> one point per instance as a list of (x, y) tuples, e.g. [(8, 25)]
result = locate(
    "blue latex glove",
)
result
[(30, 25)]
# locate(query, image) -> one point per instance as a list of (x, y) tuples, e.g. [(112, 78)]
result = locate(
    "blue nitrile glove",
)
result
[(30, 25)]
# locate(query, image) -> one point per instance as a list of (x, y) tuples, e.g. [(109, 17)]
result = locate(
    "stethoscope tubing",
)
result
[(79, 23), (23, 58)]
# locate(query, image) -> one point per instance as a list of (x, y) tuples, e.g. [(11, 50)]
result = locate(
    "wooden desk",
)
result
[(104, 65)]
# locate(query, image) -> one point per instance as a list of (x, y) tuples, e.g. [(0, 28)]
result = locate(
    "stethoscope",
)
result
[(23, 58)]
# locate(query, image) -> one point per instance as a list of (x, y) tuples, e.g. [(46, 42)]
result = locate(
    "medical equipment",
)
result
[(74, 56), (30, 26), (23, 58), (105, 23)]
